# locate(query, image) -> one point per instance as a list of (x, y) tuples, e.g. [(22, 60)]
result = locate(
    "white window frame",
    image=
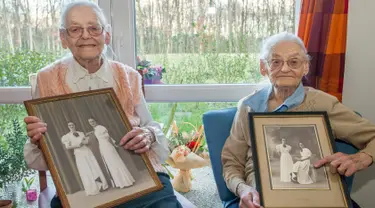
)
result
[(297, 15), (124, 45), (159, 93), (121, 17)]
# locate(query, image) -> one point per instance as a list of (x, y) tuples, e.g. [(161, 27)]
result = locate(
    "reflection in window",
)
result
[(207, 41)]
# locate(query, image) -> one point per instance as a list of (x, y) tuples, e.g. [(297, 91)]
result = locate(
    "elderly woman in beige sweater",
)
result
[(284, 60)]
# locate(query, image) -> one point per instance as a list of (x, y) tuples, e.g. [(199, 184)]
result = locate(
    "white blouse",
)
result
[(78, 79)]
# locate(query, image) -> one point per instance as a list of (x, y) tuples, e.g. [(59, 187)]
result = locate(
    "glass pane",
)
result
[(207, 41), (29, 38), (12, 165), (10, 113), (187, 117)]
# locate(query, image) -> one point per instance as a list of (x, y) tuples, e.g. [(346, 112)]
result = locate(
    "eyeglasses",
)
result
[(293, 63), (77, 32)]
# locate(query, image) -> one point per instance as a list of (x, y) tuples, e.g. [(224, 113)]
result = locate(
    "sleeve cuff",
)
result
[(151, 132), (30, 146), (234, 185), (372, 157), (34, 157), (370, 150), (159, 145)]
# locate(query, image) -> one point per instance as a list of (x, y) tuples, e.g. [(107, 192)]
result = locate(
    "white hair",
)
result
[(98, 11), (270, 42)]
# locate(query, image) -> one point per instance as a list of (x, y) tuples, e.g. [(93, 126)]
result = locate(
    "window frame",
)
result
[(123, 33), (121, 17), (159, 93)]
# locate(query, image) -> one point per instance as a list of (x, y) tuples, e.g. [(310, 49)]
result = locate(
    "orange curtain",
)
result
[(323, 28)]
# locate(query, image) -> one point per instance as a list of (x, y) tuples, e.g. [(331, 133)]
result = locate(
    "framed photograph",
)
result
[(82, 151), (285, 146)]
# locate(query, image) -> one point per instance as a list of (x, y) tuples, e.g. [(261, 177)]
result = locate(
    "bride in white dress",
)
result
[(119, 172), (88, 168), (286, 162)]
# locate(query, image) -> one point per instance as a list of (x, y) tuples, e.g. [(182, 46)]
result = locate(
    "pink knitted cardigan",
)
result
[(127, 86)]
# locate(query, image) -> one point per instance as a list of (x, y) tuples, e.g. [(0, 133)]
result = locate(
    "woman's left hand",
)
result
[(345, 164), (138, 140)]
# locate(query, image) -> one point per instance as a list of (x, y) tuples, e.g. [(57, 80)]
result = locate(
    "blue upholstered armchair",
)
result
[(217, 125)]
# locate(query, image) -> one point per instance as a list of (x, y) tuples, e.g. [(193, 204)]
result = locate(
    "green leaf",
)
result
[(171, 118), (31, 181), (12, 164)]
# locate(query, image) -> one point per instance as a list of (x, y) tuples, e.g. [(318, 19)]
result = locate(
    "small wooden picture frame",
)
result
[(285, 145), (82, 152)]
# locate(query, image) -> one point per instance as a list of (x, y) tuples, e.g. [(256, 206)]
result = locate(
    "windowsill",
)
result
[(159, 93)]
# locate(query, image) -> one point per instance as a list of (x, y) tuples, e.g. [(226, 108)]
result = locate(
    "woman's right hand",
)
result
[(85, 140), (249, 197), (35, 128)]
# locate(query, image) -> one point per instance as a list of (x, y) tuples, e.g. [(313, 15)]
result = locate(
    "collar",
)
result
[(80, 72), (259, 101)]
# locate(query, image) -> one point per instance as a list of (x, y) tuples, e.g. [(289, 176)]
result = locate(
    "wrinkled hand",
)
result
[(249, 197), (138, 140), (345, 164), (35, 128)]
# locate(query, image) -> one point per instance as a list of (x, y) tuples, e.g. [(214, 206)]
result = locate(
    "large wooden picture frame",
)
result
[(82, 152), (285, 145)]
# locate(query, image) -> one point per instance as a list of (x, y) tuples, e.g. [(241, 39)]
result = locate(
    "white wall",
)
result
[(359, 83)]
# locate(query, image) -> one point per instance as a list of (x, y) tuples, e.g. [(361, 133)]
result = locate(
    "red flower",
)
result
[(191, 145)]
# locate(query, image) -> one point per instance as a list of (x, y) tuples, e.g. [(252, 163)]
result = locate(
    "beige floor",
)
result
[(79, 199), (203, 193)]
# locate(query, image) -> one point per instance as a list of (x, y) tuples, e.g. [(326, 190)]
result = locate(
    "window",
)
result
[(29, 41), (30, 38), (208, 48), (185, 112), (207, 41)]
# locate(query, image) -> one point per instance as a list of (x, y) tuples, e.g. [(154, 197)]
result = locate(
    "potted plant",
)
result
[(152, 74), (12, 165), (31, 193)]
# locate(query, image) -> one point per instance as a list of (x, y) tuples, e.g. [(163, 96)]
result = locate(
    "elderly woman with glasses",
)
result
[(284, 60), (84, 31)]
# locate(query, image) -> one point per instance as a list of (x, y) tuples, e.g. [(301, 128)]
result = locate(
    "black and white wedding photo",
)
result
[(84, 151), (292, 149)]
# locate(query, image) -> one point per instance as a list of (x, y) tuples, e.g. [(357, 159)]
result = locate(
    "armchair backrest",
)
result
[(217, 126)]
